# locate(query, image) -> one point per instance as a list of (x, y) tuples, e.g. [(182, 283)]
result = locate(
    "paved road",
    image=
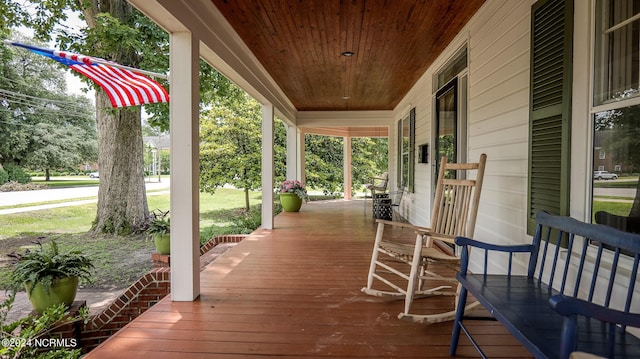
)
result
[(57, 194), (618, 192)]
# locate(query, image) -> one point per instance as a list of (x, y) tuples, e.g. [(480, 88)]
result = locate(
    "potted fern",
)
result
[(49, 276), (159, 228)]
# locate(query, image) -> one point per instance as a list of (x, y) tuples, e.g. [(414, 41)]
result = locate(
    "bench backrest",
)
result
[(594, 270)]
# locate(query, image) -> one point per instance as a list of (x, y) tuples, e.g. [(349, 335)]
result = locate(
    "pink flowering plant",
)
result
[(294, 186)]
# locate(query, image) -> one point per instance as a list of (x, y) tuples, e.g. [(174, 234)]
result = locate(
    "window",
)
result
[(617, 61), (450, 116), (447, 125), (406, 150), (451, 70), (616, 202)]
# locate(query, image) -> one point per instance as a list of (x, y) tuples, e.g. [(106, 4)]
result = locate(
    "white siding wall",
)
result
[(499, 116), (498, 42)]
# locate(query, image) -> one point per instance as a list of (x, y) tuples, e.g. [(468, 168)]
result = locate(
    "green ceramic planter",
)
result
[(62, 291), (163, 243), (290, 202)]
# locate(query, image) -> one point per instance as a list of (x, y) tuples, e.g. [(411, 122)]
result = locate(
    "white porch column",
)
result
[(301, 174), (185, 205), (292, 152), (267, 166), (346, 166)]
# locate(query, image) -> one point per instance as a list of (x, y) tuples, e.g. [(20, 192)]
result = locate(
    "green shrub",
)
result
[(211, 232), (17, 174), (244, 223), (34, 327), (247, 222), (4, 176)]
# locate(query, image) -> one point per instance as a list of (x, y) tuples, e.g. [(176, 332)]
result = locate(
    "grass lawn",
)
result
[(617, 208), (625, 182), (66, 182), (118, 260)]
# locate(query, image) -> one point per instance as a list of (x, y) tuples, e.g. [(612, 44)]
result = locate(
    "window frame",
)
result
[(601, 52), (596, 107), (406, 152)]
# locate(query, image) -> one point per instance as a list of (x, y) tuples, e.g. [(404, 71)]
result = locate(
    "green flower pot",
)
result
[(62, 290), (290, 202), (163, 243)]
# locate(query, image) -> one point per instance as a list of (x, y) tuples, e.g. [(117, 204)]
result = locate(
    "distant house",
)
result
[(154, 145), (609, 153), (157, 142)]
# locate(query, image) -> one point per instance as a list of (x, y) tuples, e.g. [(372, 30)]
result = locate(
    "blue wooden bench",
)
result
[(581, 311)]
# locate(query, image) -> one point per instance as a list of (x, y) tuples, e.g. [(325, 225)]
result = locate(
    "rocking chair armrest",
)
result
[(443, 237), (427, 232), (402, 224)]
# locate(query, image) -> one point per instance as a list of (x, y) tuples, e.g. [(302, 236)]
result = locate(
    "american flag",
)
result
[(123, 86)]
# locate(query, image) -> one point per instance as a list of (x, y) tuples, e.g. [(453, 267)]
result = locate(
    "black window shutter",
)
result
[(412, 150), (550, 108), (399, 183)]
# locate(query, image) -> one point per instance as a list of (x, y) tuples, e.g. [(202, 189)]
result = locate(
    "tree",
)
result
[(116, 32), (370, 158), (625, 141), (42, 127), (119, 33), (231, 151), (323, 163)]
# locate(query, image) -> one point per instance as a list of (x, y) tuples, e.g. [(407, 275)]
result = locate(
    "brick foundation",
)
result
[(161, 260), (139, 297)]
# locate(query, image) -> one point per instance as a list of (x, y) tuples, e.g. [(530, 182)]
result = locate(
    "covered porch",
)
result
[(295, 292)]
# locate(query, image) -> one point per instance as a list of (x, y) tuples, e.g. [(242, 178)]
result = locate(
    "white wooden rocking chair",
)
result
[(454, 214)]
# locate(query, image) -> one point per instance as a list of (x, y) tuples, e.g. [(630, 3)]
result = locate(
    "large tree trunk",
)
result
[(122, 198)]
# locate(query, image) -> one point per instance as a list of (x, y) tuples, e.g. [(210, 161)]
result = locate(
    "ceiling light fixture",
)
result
[(347, 53), (345, 97)]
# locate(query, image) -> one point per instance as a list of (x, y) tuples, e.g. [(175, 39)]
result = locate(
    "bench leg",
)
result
[(569, 330), (455, 335)]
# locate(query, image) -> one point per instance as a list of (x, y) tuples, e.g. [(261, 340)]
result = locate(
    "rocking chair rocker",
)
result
[(454, 214)]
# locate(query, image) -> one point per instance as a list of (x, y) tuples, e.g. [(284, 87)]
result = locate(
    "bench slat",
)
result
[(522, 306), (595, 300)]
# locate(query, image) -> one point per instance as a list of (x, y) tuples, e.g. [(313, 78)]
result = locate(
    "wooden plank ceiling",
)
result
[(300, 45)]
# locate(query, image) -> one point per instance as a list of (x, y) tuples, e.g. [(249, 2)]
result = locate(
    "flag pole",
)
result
[(112, 64)]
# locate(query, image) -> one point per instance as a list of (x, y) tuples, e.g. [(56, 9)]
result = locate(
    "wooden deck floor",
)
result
[(295, 292)]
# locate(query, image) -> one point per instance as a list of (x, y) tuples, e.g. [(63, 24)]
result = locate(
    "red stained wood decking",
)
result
[(294, 292)]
